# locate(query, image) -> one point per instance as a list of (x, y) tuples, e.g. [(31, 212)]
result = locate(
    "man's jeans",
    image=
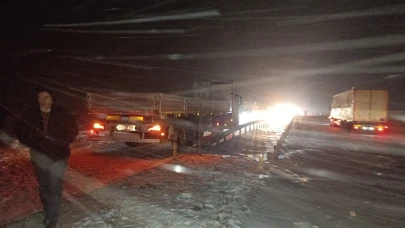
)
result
[(49, 174)]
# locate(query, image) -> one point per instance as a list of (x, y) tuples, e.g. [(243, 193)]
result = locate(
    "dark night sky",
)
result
[(302, 51)]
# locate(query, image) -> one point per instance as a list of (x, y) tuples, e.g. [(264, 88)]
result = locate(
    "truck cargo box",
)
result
[(134, 103), (367, 107)]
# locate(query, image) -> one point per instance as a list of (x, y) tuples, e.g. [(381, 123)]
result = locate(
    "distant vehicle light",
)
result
[(155, 128), (162, 134), (386, 127), (381, 129), (98, 126)]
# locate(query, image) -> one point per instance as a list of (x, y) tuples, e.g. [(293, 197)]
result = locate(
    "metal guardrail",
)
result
[(231, 133), (260, 124), (224, 136), (239, 130), (254, 125), (281, 141)]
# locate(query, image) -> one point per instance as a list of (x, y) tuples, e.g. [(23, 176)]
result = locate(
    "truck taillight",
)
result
[(98, 126), (155, 128), (381, 127)]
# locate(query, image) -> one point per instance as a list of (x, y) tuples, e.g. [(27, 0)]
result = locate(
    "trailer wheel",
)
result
[(349, 126), (182, 137), (190, 137), (343, 124)]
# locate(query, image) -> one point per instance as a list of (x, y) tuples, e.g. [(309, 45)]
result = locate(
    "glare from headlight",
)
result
[(120, 127)]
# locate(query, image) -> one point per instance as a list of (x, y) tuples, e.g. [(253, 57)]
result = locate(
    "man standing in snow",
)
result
[(48, 129)]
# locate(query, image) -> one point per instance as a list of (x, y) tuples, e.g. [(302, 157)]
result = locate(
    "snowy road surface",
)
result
[(91, 166), (329, 178), (341, 180)]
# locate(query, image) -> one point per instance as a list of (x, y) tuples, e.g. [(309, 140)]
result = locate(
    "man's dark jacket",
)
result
[(62, 130)]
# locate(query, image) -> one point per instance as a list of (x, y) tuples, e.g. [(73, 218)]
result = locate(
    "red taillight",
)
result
[(380, 129), (155, 128), (98, 126)]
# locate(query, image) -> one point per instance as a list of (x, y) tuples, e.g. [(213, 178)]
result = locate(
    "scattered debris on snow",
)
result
[(352, 213), (263, 176), (177, 168), (212, 194), (281, 156)]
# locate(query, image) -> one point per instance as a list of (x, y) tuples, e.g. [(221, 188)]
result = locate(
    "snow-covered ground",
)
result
[(193, 191), (91, 166), (354, 179), (327, 178)]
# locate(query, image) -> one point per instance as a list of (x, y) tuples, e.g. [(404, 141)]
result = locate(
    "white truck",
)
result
[(357, 109), (138, 118)]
